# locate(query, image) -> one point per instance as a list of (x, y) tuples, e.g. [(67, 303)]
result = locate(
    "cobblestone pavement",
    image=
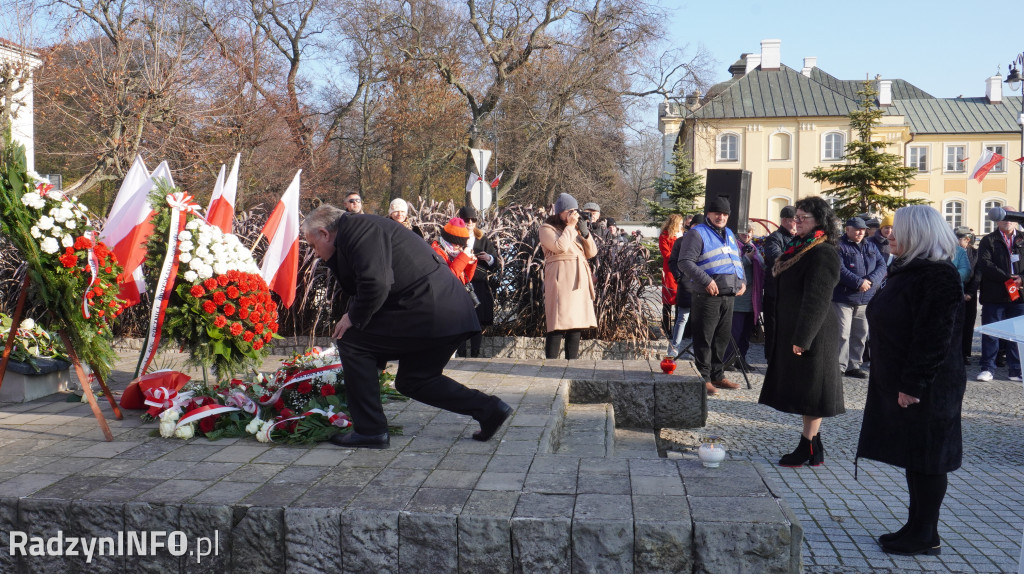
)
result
[(983, 513)]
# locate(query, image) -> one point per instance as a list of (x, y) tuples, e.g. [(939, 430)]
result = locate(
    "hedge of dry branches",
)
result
[(621, 276)]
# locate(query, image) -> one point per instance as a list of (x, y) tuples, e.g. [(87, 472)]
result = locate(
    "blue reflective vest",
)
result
[(720, 256)]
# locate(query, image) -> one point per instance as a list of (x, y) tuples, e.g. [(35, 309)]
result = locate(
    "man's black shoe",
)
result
[(857, 374), (493, 422), (356, 440)]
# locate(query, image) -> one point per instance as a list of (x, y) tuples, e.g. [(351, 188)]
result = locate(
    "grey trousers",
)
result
[(853, 334)]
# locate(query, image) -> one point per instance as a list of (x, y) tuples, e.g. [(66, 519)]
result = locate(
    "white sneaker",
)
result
[(1016, 379), (985, 376)]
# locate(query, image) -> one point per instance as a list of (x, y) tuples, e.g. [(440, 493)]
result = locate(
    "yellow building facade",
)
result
[(779, 123)]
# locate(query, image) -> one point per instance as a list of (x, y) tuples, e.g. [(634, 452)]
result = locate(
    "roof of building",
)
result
[(788, 93), (960, 115)]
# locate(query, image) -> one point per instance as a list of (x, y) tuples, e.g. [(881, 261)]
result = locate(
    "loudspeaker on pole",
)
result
[(734, 185)]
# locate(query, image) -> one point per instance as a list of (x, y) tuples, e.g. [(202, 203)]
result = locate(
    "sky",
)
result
[(945, 48)]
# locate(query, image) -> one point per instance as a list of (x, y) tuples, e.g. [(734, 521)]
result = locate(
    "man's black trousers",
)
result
[(712, 329), (421, 362)]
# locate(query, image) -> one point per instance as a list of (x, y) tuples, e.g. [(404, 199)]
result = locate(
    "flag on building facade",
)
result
[(986, 162)]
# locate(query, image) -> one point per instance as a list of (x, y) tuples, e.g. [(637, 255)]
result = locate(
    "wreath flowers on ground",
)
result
[(303, 402), (73, 275), (220, 308)]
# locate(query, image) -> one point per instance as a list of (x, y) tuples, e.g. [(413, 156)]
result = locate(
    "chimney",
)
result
[(885, 92), (753, 61), (994, 89), (771, 54), (809, 62)]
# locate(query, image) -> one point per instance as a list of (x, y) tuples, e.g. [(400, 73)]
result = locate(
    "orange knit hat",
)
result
[(456, 232)]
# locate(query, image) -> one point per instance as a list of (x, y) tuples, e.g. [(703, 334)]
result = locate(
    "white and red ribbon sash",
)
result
[(241, 400), (298, 378), (162, 398), (203, 412), (94, 268), (181, 204)]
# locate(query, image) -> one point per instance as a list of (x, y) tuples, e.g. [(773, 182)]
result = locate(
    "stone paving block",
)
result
[(633, 402), (146, 517), (588, 483), (428, 542), (563, 483), (268, 494), (583, 391), (369, 541), (501, 481), (657, 485), (258, 539), (602, 533), (123, 489), (211, 522), (726, 547), (662, 535), (327, 496), (541, 545), (592, 465), (44, 518), (8, 522), (97, 520), (312, 540), (373, 498), (323, 456), (680, 402)]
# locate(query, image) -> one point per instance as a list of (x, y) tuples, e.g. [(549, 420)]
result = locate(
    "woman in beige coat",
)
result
[(568, 283)]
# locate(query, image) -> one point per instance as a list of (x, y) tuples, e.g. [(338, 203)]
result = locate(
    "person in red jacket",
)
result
[(452, 248), (672, 230)]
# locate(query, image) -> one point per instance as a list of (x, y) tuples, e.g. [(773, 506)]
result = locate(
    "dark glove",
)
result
[(583, 226)]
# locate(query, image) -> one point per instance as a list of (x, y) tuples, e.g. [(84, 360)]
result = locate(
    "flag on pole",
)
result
[(986, 162), (221, 212), (280, 267), (133, 180), (497, 180), (127, 231)]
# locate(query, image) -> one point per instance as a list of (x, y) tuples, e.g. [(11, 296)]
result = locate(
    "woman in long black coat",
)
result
[(916, 389), (488, 261), (803, 376)]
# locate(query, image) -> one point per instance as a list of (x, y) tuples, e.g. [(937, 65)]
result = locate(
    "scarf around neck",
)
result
[(795, 249)]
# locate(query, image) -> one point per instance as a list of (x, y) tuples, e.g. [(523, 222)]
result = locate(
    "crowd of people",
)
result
[(890, 299)]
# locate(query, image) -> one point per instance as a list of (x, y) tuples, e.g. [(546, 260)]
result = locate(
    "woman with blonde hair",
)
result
[(917, 383), (670, 231)]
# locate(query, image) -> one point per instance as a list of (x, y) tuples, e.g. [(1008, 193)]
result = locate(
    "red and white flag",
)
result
[(280, 267), (988, 160), (127, 231), (221, 212), (133, 180), (497, 180)]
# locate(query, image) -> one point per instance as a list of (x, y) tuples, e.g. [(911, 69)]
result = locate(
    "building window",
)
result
[(918, 157), (986, 225), (728, 147), (835, 146), (954, 212), (779, 147), (955, 155), (1001, 150)]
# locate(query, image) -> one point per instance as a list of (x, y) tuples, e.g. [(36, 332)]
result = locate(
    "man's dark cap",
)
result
[(718, 205), (788, 212), (856, 223)]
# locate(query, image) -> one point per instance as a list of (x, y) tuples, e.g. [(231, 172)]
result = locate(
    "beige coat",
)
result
[(568, 284)]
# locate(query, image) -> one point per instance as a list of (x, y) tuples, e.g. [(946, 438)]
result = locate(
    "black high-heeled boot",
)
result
[(799, 456), (922, 535), (817, 451)]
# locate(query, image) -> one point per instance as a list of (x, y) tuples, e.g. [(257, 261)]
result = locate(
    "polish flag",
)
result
[(280, 267), (127, 231), (221, 212), (988, 160), (497, 180)]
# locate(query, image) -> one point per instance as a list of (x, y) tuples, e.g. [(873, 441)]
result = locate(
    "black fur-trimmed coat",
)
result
[(808, 384), (915, 321)]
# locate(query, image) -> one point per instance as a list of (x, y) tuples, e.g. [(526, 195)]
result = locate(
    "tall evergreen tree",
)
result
[(871, 180), (682, 187)]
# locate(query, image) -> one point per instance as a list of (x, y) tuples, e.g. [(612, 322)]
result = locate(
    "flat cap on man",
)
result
[(856, 223)]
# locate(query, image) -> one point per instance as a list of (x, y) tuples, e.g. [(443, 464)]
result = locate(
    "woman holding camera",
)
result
[(917, 383), (568, 283), (488, 260)]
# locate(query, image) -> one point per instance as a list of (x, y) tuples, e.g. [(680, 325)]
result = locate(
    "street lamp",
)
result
[(1013, 80)]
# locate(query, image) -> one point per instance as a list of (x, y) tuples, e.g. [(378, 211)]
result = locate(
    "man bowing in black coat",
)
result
[(404, 305)]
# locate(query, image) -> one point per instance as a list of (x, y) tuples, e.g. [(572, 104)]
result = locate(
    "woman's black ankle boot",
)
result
[(799, 456), (817, 451)]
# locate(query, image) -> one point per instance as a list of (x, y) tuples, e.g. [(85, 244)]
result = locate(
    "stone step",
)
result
[(634, 443), (588, 430)]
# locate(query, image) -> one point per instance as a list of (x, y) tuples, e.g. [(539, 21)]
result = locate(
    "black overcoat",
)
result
[(397, 285), (481, 281), (915, 321), (808, 384)]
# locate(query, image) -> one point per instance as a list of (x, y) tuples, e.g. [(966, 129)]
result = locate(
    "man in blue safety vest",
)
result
[(710, 259)]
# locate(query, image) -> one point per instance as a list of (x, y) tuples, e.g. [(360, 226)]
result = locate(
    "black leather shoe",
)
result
[(857, 374), (356, 440), (493, 422), (904, 547)]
